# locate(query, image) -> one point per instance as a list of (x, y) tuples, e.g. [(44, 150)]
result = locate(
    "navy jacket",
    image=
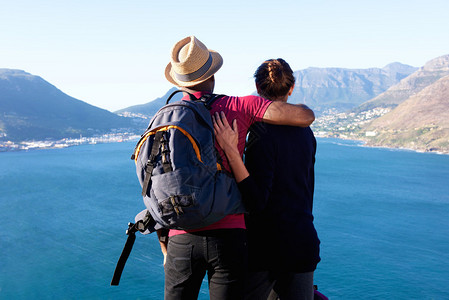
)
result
[(279, 197)]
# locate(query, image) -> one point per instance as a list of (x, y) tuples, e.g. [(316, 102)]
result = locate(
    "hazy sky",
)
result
[(113, 53)]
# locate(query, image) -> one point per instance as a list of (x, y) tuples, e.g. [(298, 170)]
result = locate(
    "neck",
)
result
[(281, 99), (196, 91), (205, 86)]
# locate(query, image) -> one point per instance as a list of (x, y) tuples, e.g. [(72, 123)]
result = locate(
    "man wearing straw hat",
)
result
[(219, 249)]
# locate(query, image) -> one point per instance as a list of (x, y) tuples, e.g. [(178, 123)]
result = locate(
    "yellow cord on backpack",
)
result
[(165, 128)]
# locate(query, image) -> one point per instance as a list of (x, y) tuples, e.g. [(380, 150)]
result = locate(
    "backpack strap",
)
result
[(209, 99), (165, 153), (141, 226), (192, 97), (125, 254), (150, 163)]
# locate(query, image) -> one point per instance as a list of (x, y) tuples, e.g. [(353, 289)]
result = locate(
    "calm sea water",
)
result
[(382, 216)]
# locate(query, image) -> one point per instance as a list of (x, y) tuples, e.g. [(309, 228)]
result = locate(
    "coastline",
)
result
[(124, 137), (367, 145), (349, 125), (9, 146)]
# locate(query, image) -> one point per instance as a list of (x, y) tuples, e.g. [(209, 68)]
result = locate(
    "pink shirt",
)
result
[(246, 110)]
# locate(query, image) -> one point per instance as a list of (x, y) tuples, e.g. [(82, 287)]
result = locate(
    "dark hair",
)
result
[(274, 78)]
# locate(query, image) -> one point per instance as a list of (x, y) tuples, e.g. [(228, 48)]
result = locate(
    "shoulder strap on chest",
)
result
[(207, 99)]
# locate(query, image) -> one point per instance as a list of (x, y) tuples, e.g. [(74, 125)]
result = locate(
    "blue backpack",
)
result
[(183, 183)]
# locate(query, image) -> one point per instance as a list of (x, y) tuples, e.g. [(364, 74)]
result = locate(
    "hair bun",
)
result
[(274, 71)]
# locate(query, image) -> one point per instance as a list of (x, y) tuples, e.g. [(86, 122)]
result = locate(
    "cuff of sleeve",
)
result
[(245, 185), (248, 189)]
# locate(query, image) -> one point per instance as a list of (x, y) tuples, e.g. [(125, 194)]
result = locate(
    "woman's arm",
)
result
[(227, 138), (255, 196)]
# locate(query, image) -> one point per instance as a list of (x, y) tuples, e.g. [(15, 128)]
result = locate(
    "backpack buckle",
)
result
[(176, 206)]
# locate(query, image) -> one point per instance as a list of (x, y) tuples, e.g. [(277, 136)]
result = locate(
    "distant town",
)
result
[(116, 137), (345, 125)]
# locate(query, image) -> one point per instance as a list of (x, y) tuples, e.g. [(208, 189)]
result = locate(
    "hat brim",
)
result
[(217, 62)]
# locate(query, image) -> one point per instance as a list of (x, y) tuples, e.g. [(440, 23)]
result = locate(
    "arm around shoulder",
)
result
[(282, 113)]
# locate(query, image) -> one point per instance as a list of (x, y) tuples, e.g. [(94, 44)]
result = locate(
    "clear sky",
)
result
[(113, 53)]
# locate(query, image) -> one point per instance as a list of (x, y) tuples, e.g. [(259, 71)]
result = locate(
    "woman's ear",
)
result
[(291, 90)]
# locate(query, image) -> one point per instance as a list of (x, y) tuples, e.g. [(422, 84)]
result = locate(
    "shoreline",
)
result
[(9, 146), (118, 138), (365, 144)]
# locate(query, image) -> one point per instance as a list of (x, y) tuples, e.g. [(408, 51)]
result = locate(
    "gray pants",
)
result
[(284, 286)]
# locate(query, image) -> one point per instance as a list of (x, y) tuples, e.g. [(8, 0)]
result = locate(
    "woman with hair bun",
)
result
[(282, 241)]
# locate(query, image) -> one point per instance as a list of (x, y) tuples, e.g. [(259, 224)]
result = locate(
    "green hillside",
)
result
[(33, 109)]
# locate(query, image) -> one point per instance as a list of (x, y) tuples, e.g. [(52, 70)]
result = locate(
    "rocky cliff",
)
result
[(421, 122), (423, 77)]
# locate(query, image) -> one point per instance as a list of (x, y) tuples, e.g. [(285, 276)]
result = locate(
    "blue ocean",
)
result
[(382, 216)]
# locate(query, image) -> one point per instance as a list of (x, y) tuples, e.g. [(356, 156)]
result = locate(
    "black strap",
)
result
[(150, 163), (131, 232), (147, 223), (162, 234), (209, 99), (192, 97), (165, 153)]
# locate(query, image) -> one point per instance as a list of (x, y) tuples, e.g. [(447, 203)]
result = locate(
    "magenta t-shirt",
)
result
[(246, 110)]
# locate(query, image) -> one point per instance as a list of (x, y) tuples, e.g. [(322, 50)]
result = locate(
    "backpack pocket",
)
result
[(175, 204), (174, 198)]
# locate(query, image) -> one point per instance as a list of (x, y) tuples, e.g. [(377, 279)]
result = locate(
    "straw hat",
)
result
[(192, 63)]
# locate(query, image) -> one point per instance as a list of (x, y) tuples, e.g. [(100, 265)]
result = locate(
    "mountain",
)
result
[(33, 109), (150, 108), (421, 122), (342, 89), (321, 88), (423, 77)]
